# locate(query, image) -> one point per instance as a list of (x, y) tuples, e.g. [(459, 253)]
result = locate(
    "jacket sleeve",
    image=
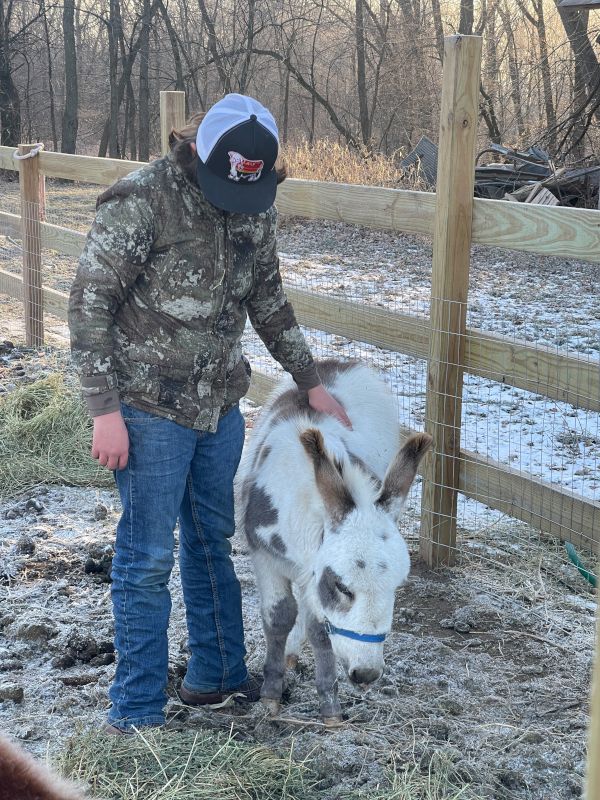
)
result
[(115, 250), (272, 315)]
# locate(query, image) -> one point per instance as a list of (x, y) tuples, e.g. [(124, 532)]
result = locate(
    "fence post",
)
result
[(592, 784), (449, 287), (29, 180), (172, 115)]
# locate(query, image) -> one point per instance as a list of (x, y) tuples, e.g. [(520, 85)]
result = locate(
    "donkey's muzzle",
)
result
[(364, 676)]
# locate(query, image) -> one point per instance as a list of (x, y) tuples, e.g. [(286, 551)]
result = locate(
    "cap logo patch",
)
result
[(244, 168)]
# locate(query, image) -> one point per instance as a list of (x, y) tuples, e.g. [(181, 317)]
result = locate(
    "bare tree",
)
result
[(70, 118), (13, 40), (465, 25), (361, 74), (538, 21), (513, 67), (144, 87), (367, 72), (50, 75)]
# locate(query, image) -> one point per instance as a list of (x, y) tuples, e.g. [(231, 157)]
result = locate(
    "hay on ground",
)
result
[(182, 766), (45, 437), (204, 765)]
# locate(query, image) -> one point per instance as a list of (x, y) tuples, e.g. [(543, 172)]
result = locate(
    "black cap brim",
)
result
[(242, 198)]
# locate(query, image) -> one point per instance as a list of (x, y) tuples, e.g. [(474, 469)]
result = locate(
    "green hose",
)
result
[(589, 576)]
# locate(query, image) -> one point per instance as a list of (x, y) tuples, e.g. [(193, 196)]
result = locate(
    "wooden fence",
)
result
[(455, 220)]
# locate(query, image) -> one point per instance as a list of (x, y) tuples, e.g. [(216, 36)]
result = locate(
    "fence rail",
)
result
[(554, 231)]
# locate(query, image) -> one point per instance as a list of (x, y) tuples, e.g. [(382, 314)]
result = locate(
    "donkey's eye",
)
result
[(344, 590)]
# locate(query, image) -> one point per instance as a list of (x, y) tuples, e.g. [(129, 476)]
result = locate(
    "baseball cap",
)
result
[(237, 144)]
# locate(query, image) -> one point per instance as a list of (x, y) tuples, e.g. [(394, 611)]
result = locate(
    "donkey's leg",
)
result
[(325, 672), (278, 609), (298, 635)]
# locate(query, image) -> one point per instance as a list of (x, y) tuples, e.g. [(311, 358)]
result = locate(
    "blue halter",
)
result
[(359, 637)]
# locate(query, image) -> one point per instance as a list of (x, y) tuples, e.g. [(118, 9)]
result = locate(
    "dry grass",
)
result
[(327, 160), (439, 782), (205, 765), (45, 436), (183, 766)]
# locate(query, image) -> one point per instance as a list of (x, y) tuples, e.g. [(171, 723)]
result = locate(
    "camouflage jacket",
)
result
[(159, 302)]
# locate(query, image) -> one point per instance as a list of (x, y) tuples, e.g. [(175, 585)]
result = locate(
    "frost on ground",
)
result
[(487, 668), (488, 665)]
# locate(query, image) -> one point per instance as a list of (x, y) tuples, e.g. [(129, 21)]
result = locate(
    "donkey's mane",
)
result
[(363, 487)]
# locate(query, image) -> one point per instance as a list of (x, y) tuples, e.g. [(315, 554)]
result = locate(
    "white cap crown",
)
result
[(226, 114)]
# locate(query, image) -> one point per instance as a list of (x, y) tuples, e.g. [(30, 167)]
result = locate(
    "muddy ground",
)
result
[(487, 669)]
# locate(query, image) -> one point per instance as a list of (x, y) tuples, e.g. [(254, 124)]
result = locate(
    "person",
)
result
[(179, 253)]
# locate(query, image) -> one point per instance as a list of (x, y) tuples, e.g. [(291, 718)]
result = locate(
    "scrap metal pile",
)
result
[(527, 176)]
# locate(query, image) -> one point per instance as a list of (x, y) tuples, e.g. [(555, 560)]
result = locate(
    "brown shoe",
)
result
[(247, 692), (112, 730)]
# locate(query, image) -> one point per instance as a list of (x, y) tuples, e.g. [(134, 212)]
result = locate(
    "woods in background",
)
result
[(85, 77)]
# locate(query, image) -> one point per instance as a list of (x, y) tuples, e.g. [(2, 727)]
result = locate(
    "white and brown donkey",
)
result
[(319, 505)]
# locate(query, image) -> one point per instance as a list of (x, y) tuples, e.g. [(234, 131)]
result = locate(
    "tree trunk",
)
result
[(172, 34), (361, 74), (575, 24), (10, 107), (465, 25), (546, 77), (489, 116), (50, 78), (129, 128), (114, 36), (513, 70), (10, 104), (491, 52), (439, 28), (214, 47), (144, 88), (286, 108), (577, 144), (250, 40), (70, 119), (119, 91)]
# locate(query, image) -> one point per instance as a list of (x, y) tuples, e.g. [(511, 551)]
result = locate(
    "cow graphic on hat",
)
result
[(244, 167)]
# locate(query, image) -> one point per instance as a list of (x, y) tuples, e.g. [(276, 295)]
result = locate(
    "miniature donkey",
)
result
[(319, 505)]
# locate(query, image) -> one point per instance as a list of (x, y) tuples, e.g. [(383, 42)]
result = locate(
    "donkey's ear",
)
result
[(401, 472), (338, 500)]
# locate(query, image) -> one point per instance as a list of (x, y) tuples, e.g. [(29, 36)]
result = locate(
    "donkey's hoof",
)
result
[(291, 661), (333, 722), (272, 706)]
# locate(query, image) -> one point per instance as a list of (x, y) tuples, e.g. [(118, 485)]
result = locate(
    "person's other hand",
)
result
[(320, 399), (110, 442)]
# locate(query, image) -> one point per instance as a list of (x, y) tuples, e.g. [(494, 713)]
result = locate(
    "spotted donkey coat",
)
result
[(319, 506)]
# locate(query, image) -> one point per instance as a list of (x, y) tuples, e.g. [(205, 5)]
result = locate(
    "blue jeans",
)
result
[(175, 473)]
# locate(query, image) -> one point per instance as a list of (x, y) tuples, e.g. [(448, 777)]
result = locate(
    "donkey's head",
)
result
[(363, 558)]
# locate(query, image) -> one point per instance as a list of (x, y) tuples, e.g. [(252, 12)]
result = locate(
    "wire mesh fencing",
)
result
[(31, 252), (522, 402)]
